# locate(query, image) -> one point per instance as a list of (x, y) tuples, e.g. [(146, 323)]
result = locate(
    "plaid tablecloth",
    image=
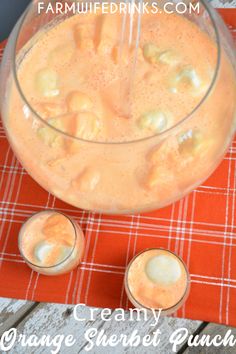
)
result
[(201, 228)]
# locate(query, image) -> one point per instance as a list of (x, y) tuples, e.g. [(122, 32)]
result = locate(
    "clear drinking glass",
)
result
[(70, 260), (114, 158), (137, 303)]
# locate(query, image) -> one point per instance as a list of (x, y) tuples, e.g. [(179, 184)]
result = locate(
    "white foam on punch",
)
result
[(163, 269), (191, 75), (43, 250)]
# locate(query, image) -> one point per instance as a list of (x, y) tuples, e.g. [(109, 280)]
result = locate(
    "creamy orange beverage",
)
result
[(157, 279), (51, 243), (100, 142)]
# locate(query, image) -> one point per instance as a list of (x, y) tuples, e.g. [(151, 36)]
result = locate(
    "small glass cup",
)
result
[(65, 265), (164, 311)]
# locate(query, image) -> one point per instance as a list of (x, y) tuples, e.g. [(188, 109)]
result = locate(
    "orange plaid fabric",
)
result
[(201, 228)]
